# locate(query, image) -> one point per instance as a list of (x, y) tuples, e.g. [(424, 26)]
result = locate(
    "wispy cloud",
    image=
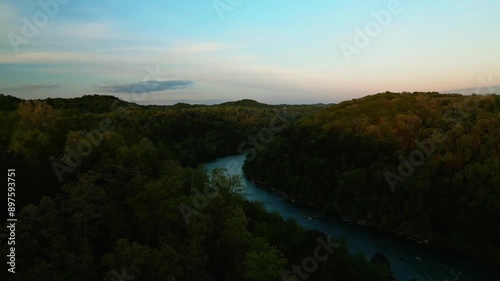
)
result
[(199, 48), (111, 43), (87, 31), (29, 88), (148, 86), (115, 55)]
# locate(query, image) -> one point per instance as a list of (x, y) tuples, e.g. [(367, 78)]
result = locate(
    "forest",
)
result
[(423, 165), (103, 187)]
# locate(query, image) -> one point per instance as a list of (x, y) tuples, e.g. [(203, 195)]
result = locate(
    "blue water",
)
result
[(408, 259)]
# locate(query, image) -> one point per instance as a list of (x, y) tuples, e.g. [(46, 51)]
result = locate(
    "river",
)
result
[(408, 259)]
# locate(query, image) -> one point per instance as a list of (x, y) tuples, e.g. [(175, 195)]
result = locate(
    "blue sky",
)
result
[(279, 51)]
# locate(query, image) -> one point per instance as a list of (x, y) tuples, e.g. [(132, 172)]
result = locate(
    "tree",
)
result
[(143, 263), (263, 262), (36, 122)]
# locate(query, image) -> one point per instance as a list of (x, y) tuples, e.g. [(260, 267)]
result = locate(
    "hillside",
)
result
[(423, 165), (103, 190)]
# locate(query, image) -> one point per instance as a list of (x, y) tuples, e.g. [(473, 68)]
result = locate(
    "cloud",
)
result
[(148, 86), (28, 88), (84, 31), (200, 48), (116, 55)]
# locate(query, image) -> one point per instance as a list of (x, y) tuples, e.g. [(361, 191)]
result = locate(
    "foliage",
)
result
[(344, 152), (117, 211)]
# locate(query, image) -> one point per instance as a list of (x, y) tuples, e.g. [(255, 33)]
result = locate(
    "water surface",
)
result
[(408, 259)]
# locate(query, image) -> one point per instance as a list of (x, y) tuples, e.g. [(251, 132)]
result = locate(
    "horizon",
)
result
[(156, 52), (221, 102)]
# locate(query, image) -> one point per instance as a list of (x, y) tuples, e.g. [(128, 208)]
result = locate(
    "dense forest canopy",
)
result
[(106, 191), (425, 165)]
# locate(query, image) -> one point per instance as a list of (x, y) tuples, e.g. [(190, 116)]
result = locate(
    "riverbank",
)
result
[(376, 227), (353, 221), (409, 259)]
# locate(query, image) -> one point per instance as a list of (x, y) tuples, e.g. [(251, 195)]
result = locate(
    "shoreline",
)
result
[(375, 227), (353, 221)]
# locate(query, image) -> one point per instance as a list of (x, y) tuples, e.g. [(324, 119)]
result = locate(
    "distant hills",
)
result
[(481, 90), (100, 103)]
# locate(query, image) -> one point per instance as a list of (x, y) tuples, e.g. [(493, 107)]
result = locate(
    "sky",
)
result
[(273, 51)]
